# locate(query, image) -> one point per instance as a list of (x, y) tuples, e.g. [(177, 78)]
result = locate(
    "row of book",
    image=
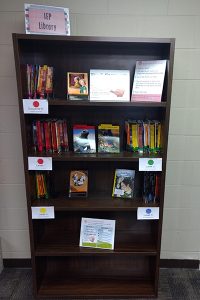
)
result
[(51, 135), (105, 85), (123, 185), (39, 81), (143, 136)]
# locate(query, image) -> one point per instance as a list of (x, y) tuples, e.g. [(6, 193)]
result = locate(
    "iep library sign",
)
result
[(42, 19)]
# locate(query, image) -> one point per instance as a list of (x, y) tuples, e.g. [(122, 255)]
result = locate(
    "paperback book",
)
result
[(78, 183), (77, 86), (108, 138), (84, 139), (110, 85), (143, 136), (123, 186), (148, 80), (151, 189), (39, 81), (50, 136)]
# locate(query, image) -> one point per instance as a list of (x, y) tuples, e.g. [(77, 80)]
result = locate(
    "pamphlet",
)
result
[(110, 85), (148, 80), (97, 233)]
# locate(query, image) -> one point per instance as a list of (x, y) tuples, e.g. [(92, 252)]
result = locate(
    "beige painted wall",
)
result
[(137, 18)]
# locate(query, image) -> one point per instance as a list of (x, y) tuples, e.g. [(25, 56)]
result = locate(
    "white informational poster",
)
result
[(35, 106), (148, 213), (97, 233), (110, 85), (150, 164), (40, 163), (43, 19), (43, 212), (148, 80)]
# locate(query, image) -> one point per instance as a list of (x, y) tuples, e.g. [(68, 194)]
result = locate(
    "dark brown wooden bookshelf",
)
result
[(60, 267)]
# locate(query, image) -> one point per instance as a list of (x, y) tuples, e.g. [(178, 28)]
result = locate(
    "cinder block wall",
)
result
[(137, 18)]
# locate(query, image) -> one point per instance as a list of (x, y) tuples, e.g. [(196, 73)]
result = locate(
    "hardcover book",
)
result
[(110, 85), (77, 86), (78, 183), (123, 186), (84, 139), (108, 138)]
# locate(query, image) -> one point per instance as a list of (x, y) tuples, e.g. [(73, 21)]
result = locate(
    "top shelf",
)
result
[(65, 102)]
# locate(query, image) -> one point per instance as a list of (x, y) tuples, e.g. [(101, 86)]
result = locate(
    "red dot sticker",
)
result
[(36, 103), (40, 161)]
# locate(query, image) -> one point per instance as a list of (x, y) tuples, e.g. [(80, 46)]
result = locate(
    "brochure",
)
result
[(148, 80), (110, 85), (97, 233)]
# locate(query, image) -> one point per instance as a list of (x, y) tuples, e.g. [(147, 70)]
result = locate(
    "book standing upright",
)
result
[(60, 267)]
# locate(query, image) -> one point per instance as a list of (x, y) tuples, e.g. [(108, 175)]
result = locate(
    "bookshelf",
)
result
[(60, 267)]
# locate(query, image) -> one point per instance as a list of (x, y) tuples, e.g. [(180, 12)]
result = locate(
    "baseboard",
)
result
[(164, 263), (179, 263), (17, 263)]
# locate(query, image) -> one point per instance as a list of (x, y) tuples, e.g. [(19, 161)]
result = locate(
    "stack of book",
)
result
[(50, 136), (151, 189), (41, 186), (143, 136), (39, 81)]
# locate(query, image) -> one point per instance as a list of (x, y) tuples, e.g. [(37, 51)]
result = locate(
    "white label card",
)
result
[(43, 212), (148, 213), (35, 106), (40, 163), (150, 164)]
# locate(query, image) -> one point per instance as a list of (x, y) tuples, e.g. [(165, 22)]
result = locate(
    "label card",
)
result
[(40, 163), (43, 212), (150, 164), (35, 106), (42, 19), (148, 213)]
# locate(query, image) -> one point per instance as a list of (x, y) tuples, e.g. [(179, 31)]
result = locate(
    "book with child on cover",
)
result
[(123, 186)]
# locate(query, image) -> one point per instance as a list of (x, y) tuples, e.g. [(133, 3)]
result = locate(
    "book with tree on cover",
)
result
[(123, 186), (78, 186), (108, 138)]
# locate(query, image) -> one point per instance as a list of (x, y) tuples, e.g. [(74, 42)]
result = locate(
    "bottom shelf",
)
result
[(89, 288)]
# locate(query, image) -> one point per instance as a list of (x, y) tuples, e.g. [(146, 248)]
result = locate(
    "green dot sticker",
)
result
[(150, 162)]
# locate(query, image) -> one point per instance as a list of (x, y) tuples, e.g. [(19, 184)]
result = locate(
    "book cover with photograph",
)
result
[(84, 139), (108, 138), (77, 86), (78, 186), (123, 186), (110, 85)]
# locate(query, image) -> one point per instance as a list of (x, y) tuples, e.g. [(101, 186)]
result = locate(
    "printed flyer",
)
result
[(97, 233)]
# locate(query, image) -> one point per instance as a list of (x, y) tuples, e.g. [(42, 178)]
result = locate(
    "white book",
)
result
[(110, 85)]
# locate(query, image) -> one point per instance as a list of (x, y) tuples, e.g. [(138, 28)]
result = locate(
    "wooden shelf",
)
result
[(87, 103), (93, 204), (71, 156), (47, 249), (90, 288)]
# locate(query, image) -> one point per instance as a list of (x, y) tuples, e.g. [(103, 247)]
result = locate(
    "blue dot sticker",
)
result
[(148, 211)]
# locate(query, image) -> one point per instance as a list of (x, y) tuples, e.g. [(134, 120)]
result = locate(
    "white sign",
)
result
[(110, 85), (148, 80), (150, 164), (35, 106), (40, 163), (148, 213), (42, 19), (43, 212), (97, 233)]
